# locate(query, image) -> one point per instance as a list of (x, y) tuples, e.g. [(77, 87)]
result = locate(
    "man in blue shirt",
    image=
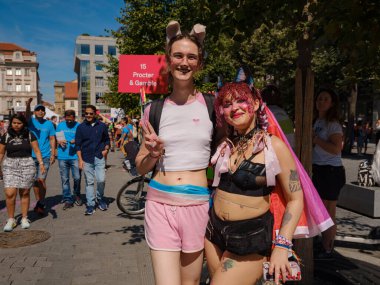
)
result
[(92, 142), (68, 159), (45, 133)]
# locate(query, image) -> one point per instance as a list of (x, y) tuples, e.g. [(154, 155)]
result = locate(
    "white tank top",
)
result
[(186, 131)]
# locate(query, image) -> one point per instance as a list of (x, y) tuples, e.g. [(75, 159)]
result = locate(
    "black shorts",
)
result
[(241, 237), (328, 180)]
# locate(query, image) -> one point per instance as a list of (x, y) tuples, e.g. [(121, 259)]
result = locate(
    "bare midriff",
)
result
[(193, 177), (234, 207)]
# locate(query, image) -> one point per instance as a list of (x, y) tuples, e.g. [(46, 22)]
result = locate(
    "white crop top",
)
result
[(186, 131)]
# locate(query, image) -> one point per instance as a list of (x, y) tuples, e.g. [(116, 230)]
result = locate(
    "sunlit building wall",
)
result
[(90, 53)]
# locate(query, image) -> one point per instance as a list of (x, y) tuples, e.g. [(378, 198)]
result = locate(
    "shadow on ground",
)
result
[(137, 234)]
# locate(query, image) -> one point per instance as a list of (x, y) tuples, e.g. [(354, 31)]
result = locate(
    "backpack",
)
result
[(365, 174)]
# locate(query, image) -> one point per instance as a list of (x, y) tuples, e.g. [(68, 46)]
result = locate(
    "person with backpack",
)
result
[(328, 171), (176, 146), (19, 168)]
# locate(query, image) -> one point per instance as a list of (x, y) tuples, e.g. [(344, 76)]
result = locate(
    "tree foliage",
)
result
[(260, 34)]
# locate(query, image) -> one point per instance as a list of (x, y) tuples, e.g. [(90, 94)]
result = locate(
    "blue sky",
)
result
[(49, 28)]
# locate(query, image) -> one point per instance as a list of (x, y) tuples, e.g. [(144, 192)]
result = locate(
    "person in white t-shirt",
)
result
[(176, 210), (328, 171)]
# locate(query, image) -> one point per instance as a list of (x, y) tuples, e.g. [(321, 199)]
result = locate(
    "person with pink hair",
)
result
[(261, 192)]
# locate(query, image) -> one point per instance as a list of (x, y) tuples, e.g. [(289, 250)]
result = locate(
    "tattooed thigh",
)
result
[(227, 263)]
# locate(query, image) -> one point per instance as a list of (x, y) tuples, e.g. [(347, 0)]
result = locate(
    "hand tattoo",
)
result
[(294, 181), (227, 264)]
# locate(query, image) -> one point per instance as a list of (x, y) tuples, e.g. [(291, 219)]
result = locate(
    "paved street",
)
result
[(109, 248), (106, 248)]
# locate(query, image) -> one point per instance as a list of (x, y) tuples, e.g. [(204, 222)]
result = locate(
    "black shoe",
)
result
[(67, 205)]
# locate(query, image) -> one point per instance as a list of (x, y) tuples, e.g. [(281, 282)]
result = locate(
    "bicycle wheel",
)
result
[(131, 196)]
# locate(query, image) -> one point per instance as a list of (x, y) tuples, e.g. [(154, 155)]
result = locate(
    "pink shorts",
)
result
[(175, 228)]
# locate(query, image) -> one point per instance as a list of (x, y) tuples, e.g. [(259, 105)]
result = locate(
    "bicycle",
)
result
[(131, 197)]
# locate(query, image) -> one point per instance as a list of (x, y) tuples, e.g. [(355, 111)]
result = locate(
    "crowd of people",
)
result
[(31, 144), (261, 197)]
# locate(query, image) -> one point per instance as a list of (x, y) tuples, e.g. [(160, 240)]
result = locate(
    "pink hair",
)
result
[(240, 90)]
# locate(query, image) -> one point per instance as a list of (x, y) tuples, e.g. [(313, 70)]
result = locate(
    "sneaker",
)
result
[(89, 210), (78, 201), (102, 206), (25, 223), (67, 205), (10, 225), (39, 208), (324, 255)]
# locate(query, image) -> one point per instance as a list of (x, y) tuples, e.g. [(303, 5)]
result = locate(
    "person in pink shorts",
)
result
[(176, 211)]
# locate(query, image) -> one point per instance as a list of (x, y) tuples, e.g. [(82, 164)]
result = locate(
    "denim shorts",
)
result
[(39, 175), (241, 237), (329, 180)]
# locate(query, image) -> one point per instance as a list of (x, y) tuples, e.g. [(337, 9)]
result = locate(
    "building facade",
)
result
[(71, 96), (59, 101), (90, 53), (18, 78)]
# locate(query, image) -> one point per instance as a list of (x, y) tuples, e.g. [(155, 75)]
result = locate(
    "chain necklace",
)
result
[(242, 144)]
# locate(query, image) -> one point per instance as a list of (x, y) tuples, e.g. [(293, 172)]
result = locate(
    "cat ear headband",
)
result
[(173, 29)]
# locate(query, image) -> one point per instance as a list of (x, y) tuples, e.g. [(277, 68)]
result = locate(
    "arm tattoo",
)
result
[(294, 181), (287, 217), (227, 264)]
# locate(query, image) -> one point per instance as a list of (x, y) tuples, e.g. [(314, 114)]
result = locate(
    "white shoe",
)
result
[(25, 223), (10, 225)]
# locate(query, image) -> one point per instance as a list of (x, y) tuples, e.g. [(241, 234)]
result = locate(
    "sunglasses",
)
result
[(90, 114), (40, 109)]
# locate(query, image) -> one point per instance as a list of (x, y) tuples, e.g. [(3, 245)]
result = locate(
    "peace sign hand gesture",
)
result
[(153, 143)]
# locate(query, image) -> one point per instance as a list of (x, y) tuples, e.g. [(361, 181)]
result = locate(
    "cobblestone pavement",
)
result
[(109, 248), (105, 248)]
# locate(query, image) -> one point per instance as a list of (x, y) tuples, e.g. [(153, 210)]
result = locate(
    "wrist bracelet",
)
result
[(283, 240), (282, 246)]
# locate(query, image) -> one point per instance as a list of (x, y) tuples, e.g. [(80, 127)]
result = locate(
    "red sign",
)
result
[(148, 71)]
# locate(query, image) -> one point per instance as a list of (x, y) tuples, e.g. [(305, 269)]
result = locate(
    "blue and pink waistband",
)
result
[(178, 195)]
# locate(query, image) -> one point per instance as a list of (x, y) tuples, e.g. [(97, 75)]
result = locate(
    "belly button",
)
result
[(179, 179)]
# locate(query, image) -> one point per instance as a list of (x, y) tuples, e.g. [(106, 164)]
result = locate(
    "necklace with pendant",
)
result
[(242, 144)]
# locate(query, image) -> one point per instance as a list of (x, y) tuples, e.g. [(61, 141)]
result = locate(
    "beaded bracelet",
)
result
[(282, 246), (283, 240)]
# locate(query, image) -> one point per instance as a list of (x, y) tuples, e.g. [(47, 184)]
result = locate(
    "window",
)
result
[(9, 71), (9, 87), (71, 104), (84, 49), (98, 50), (111, 50), (18, 103), (9, 104), (27, 71), (18, 71), (18, 87), (98, 66), (99, 98), (18, 55), (27, 87), (99, 81)]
